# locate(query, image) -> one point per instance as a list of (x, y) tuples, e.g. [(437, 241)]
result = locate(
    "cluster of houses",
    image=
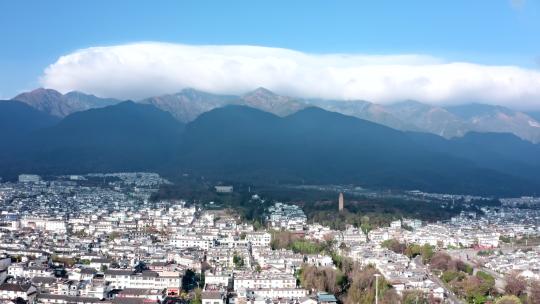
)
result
[(402, 272), (525, 262), (70, 241), (459, 232), (286, 216), (63, 242)]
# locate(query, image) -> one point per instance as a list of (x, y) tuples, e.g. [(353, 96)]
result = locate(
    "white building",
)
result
[(29, 178), (121, 279), (224, 189), (259, 239), (191, 241), (275, 293), (10, 292), (253, 281), (53, 225), (395, 224)]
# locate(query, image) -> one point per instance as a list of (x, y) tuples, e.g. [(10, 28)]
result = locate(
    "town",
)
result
[(101, 238)]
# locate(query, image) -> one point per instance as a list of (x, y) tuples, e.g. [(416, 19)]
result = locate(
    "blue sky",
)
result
[(34, 34)]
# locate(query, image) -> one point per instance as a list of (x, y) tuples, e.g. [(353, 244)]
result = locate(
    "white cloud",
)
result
[(139, 70)]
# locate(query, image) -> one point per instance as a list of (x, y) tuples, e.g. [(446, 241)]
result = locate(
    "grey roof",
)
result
[(148, 273), (118, 272), (139, 291), (70, 299), (15, 287), (88, 271), (326, 297), (43, 280), (211, 295), (122, 300)]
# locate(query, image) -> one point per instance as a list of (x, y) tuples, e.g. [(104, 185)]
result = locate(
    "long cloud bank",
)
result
[(139, 70)]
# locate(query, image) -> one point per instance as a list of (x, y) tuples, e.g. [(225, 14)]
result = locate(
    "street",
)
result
[(450, 295)]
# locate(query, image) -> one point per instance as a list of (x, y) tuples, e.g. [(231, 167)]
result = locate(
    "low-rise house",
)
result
[(46, 298), (326, 298), (11, 292), (155, 295), (213, 297), (121, 279), (251, 281)]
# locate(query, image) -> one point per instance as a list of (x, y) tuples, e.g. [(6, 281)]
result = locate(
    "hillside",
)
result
[(317, 146), (126, 137), (18, 119), (244, 144)]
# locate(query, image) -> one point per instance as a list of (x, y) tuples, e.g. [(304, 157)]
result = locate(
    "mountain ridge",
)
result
[(446, 121), (314, 145), (246, 144), (61, 105)]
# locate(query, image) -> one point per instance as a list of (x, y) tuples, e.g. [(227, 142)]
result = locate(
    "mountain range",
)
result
[(188, 104), (238, 142), (317, 146), (60, 105)]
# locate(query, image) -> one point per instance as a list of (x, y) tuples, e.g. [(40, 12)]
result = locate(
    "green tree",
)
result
[(488, 282), (365, 225), (362, 287), (414, 297), (197, 299), (257, 225), (281, 239), (394, 245), (450, 275), (238, 261), (307, 247), (114, 235), (508, 299), (189, 280), (321, 278), (427, 253), (389, 296)]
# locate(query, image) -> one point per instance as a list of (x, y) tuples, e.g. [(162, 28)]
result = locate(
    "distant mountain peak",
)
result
[(79, 93), (410, 115), (37, 93), (41, 90), (261, 92), (57, 104), (191, 91), (411, 103), (266, 100), (470, 110), (127, 103)]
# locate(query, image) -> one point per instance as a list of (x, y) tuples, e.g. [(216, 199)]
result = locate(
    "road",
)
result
[(450, 295), (471, 257)]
